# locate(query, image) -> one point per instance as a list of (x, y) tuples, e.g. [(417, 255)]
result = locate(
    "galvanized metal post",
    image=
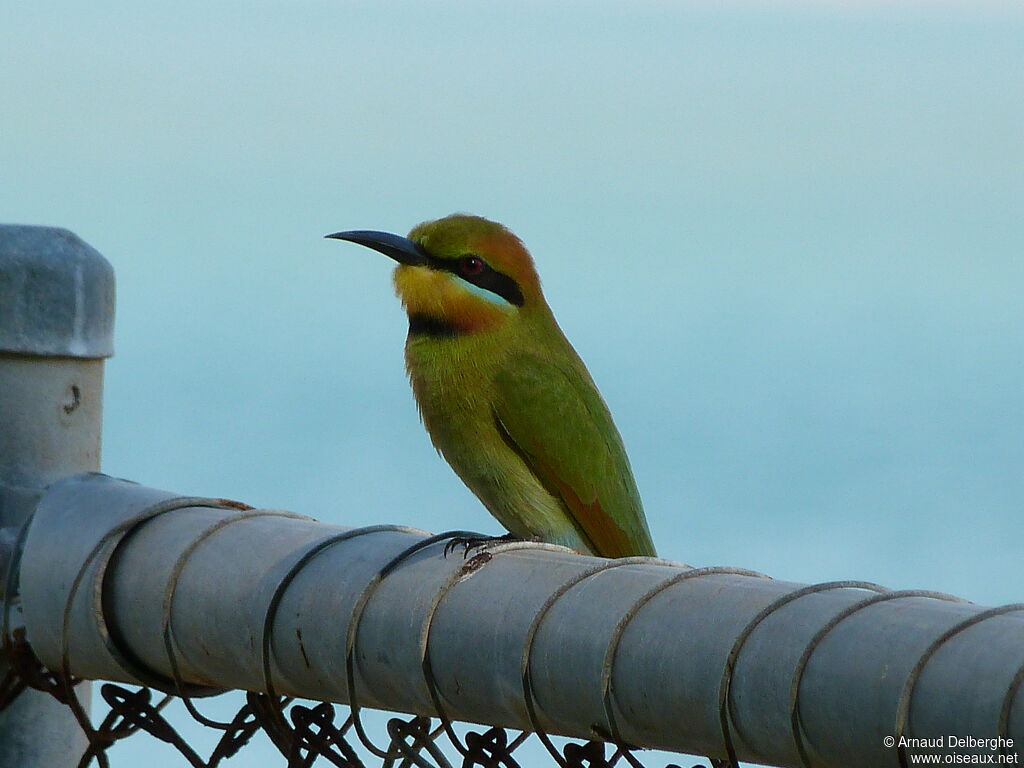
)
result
[(56, 326)]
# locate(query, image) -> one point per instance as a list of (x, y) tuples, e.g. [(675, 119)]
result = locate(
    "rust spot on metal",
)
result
[(73, 399), (477, 561), (232, 504)]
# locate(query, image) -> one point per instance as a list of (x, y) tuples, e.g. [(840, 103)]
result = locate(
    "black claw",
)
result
[(468, 544)]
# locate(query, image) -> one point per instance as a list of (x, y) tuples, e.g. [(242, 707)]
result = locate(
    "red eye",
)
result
[(471, 265)]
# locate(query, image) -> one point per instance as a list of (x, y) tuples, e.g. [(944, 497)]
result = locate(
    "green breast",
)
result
[(454, 382)]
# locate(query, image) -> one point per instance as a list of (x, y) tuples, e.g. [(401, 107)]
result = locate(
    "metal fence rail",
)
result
[(146, 586)]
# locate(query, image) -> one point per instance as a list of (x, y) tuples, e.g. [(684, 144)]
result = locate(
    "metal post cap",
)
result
[(56, 294)]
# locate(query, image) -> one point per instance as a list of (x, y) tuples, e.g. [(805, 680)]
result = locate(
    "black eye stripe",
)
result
[(489, 279)]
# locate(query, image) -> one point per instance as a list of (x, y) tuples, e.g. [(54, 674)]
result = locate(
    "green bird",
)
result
[(503, 394)]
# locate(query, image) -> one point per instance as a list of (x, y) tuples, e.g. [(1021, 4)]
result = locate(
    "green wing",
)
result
[(556, 419)]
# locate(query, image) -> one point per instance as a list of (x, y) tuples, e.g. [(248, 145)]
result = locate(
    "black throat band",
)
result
[(432, 327)]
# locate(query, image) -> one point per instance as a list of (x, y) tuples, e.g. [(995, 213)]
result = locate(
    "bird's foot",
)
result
[(482, 542)]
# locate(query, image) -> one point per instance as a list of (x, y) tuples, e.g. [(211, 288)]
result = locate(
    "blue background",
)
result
[(786, 238)]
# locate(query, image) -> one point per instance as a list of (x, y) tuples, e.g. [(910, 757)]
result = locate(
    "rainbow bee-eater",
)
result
[(503, 394)]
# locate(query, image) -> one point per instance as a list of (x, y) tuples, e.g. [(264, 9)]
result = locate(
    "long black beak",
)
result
[(401, 249)]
